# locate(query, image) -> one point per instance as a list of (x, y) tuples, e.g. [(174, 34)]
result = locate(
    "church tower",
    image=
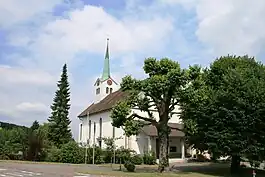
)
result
[(105, 85)]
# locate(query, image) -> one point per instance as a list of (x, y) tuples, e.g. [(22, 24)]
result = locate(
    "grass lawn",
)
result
[(179, 170), (117, 173), (187, 170)]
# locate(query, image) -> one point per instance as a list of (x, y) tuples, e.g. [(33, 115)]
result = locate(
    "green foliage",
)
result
[(137, 159), (72, 153), (36, 143), (59, 132), (13, 142), (124, 155), (99, 158), (161, 90), (5, 125), (149, 158), (225, 113), (35, 125), (53, 154), (35, 146), (130, 166), (108, 153)]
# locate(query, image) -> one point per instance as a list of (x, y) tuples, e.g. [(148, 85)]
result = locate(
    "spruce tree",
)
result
[(59, 131)]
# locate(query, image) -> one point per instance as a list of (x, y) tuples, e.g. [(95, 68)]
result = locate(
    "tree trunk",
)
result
[(235, 164), (163, 137)]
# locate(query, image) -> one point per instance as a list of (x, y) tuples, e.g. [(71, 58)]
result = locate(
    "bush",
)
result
[(149, 158), (107, 156), (255, 164), (99, 155), (129, 166), (72, 153), (137, 160), (123, 155), (53, 155)]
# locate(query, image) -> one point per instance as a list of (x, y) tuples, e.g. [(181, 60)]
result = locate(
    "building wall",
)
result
[(107, 129), (138, 143), (174, 117), (102, 86)]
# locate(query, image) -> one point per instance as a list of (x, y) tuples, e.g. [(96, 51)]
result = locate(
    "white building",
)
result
[(95, 119)]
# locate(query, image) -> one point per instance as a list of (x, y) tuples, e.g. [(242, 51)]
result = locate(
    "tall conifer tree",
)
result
[(59, 131)]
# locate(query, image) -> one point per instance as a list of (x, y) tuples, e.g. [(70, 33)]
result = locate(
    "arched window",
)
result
[(100, 127), (110, 90), (89, 134), (107, 90), (98, 91), (100, 133), (81, 131)]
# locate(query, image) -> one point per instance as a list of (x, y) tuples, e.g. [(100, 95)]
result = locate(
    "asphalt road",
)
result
[(10, 169)]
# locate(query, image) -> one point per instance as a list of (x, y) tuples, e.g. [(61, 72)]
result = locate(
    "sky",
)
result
[(38, 37)]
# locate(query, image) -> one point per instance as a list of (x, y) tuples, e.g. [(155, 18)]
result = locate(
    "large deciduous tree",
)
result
[(224, 113), (59, 130), (166, 81)]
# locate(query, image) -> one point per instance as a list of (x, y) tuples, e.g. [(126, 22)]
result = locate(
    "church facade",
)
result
[(95, 121)]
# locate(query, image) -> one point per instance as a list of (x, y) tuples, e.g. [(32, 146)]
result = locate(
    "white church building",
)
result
[(95, 121)]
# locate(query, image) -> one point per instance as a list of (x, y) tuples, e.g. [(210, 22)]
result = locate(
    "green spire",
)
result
[(106, 69)]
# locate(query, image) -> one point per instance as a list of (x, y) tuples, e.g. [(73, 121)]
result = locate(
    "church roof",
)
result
[(104, 105), (106, 69), (151, 130)]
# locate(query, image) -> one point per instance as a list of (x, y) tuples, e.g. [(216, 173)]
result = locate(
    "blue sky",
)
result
[(37, 40)]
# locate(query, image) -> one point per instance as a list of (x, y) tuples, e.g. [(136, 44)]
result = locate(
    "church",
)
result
[(95, 121)]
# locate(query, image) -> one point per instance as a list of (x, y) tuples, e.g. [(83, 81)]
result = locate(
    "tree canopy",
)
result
[(59, 122), (160, 91), (224, 111)]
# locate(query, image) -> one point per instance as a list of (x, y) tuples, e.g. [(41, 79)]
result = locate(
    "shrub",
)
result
[(53, 155), (123, 155), (72, 153), (129, 166), (137, 159), (99, 155), (255, 164), (149, 158), (107, 156)]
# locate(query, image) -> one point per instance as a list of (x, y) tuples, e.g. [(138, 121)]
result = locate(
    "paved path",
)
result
[(9, 169)]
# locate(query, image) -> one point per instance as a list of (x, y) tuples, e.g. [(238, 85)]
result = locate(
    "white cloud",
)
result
[(32, 107), (87, 30), (223, 25), (232, 26), (14, 12), (16, 75), (228, 26)]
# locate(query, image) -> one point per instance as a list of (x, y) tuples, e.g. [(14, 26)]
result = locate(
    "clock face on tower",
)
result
[(109, 82)]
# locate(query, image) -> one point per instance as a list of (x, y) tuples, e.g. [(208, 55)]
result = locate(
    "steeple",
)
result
[(106, 69)]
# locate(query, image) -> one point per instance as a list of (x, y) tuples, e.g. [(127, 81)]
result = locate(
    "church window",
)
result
[(98, 91), (107, 90), (110, 90), (97, 83), (81, 126), (100, 133), (100, 127), (113, 132), (89, 134)]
